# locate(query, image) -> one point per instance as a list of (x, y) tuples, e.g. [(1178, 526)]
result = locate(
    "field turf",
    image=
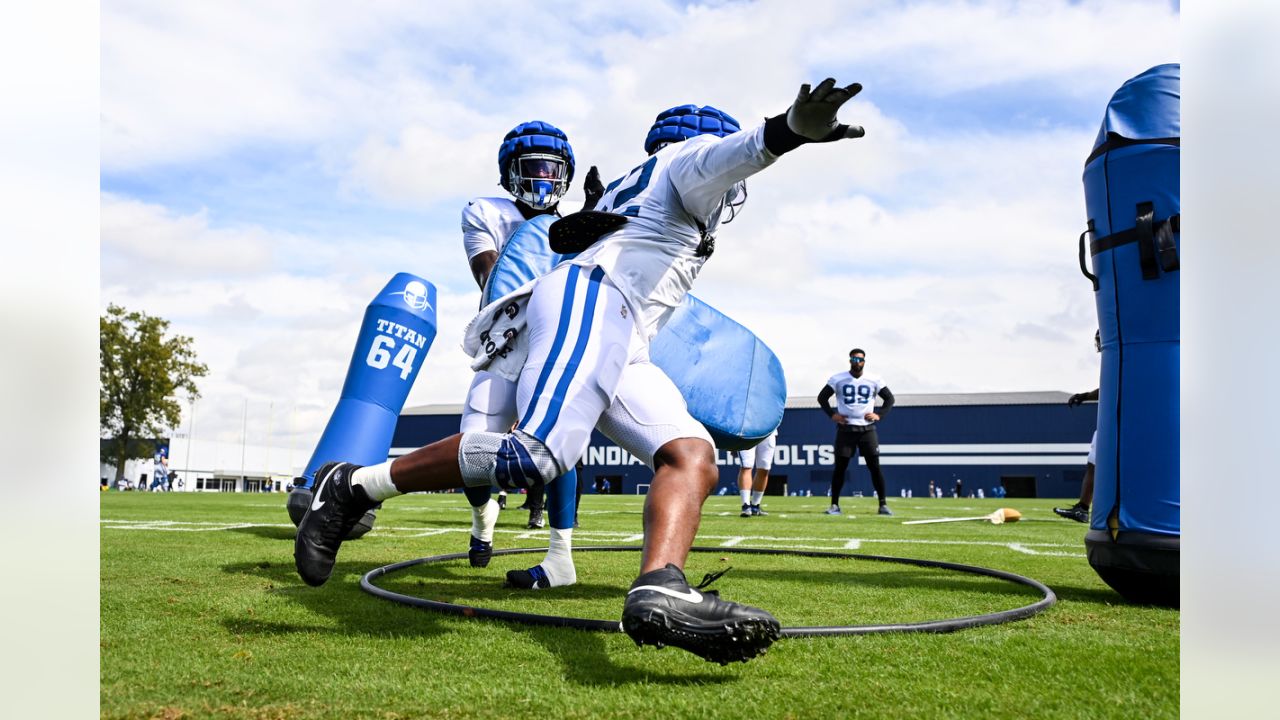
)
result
[(203, 616)]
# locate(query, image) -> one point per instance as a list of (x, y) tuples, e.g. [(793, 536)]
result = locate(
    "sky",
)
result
[(267, 167)]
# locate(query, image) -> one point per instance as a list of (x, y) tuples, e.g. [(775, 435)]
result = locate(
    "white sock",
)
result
[(746, 496), (483, 520), (755, 497), (376, 481), (558, 565)]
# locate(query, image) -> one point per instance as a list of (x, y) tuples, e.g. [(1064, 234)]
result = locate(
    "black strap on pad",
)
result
[(1146, 244), (1156, 248), (1084, 268), (578, 231)]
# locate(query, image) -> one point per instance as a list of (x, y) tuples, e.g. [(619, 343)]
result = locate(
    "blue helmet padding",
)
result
[(1145, 107), (685, 121), (534, 136)]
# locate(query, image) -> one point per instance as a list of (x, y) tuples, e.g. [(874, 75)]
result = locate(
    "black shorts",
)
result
[(861, 438)]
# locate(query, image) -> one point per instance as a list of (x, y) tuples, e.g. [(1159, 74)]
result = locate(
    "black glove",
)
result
[(813, 114), (1077, 399), (593, 188)]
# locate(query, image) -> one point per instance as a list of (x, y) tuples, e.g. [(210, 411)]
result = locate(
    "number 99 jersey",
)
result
[(856, 396)]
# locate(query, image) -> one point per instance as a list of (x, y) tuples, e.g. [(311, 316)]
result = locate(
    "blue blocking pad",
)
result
[(527, 255), (732, 382), (1132, 194), (398, 329), (1135, 164)]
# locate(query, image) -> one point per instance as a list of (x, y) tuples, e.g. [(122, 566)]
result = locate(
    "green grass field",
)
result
[(203, 616)]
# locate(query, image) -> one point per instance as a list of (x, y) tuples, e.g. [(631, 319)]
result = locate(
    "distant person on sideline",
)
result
[(855, 417)]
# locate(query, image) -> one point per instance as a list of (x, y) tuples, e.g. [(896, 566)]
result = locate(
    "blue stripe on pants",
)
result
[(579, 349), (566, 310)]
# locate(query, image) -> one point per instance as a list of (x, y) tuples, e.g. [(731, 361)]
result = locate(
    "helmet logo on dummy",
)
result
[(535, 164), (415, 295)]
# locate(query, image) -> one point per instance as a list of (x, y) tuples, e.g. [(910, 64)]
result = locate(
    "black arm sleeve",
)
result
[(888, 402), (824, 399), (778, 138)]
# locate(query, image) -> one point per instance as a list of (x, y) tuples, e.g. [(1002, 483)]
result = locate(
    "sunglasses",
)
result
[(857, 360)]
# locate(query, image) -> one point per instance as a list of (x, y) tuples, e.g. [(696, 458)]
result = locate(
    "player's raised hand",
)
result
[(813, 114), (593, 188)]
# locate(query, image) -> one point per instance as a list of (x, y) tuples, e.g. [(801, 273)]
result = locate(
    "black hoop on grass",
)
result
[(932, 626)]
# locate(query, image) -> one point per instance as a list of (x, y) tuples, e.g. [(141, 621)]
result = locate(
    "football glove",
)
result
[(593, 188), (813, 114)]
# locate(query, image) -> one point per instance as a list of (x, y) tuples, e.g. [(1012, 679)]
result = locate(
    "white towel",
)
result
[(495, 338)]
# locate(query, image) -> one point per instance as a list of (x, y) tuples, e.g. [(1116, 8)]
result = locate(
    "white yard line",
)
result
[(726, 541)]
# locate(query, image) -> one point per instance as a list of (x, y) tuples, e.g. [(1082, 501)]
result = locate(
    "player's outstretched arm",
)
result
[(1081, 398), (812, 118)]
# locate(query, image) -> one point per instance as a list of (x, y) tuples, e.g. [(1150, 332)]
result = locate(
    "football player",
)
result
[(577, 342), (536, 166), (855, 417), (755, 462)]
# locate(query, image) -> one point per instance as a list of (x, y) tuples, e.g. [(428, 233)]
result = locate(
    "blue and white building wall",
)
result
[(1028, 443)]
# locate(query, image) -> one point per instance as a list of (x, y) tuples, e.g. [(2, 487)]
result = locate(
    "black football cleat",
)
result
[(300, 499), (662, 609), (480, 552), (746, 510), (1076, 512), (535, 518), (757, 512), (535, 578), (337, 506), (297, 502), (884, 510), (364, 524)]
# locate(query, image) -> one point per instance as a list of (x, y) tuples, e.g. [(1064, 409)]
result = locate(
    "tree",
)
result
[(141, 372)]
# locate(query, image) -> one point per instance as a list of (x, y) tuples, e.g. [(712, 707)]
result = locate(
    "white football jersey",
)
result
[(487, 223), (654, 258), (856, 396)]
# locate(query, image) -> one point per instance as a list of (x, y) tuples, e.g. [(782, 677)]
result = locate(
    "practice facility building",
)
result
[(1025, 444)]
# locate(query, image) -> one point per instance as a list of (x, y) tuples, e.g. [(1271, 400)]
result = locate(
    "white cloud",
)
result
[(140, 240), (947, 47), (950, 255)]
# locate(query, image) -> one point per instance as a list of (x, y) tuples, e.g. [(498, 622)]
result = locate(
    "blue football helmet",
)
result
[(685, 121), (535, 164)]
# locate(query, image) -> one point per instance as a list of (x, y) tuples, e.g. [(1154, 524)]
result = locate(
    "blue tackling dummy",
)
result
[(1131, 183), (398, 329)]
